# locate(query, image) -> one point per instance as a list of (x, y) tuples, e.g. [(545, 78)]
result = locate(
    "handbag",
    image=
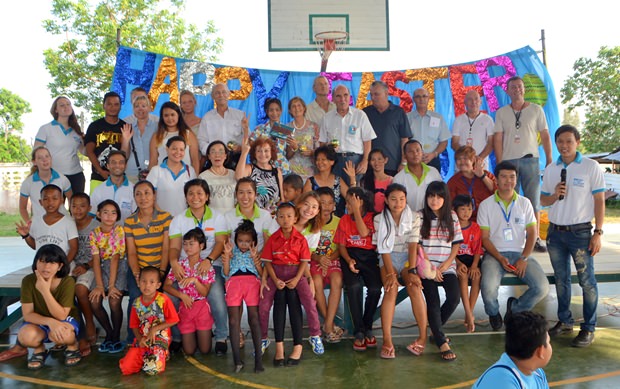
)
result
[(424, 267)]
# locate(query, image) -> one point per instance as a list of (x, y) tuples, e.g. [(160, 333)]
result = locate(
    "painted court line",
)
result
[(38, 381), (226, 377)]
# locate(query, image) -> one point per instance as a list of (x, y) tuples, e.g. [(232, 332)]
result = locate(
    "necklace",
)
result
[(302, 126), (223, 173)]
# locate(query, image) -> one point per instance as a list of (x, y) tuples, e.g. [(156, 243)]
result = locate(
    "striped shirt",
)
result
[(149, 238), (436, 247)]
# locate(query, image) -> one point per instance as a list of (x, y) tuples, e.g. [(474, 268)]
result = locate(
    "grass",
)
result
[(7, 224)]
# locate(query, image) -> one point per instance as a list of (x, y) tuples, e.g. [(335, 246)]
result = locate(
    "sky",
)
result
[(422, 34)]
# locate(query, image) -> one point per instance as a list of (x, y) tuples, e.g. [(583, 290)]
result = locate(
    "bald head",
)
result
[(472, 103), (341, 98), (321, 86)]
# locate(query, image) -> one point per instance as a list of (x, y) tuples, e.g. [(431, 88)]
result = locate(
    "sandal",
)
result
[(416, 348), (72, 357), (116, 347), (13, 353), (388, 352), (58, 347), (371, 342), (448, 355), (359, 345), (37, 360), (333, 337)]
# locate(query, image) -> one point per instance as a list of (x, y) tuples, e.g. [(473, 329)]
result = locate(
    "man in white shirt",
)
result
[(509, 231), (350, 128), (517, 127), (223, 123), (429, 128), (575, 200), (321, 104), (473, 128)]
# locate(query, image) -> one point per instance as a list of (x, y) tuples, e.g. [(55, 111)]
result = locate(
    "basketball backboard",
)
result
[(294, 23)]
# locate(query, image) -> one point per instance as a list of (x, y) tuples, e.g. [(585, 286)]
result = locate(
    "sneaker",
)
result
[(509, 303), (496, 322), (539, 247), (264, 344), (317, 345), (583, 339), (221, 348), (560, 329)]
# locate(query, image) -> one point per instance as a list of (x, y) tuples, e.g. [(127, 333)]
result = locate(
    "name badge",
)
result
[(434, 122), (508, 235), (352, 130), (578, 182), (125, 205)]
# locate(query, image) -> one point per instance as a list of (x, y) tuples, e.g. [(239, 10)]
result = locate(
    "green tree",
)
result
[(595, 86), (13, 148), (83, 65), (571, 116)]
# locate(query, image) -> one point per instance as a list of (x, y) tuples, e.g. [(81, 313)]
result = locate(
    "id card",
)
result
[(434, 122), (517, 138), (508, 235)]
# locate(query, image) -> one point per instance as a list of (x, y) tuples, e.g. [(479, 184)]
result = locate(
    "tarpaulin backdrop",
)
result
[(165, 77)]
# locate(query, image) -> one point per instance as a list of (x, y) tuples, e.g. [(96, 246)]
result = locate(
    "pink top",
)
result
[(190, 290), (380, 187)]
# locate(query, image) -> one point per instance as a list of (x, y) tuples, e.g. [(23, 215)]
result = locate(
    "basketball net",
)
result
[(328, 42)]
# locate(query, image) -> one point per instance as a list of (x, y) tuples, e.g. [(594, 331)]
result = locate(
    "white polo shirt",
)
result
[(214, 127), (473, 132), (169, 186), (584, 178), (31, 188), (262, 224), (212, 224), (63, 145), (122, 195), (352, 130), (416, 188), (506, 235)]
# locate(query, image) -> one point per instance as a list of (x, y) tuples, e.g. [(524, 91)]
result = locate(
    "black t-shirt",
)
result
[(106, 137)]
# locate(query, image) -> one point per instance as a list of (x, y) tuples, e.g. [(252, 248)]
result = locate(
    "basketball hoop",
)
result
[(328, 42)]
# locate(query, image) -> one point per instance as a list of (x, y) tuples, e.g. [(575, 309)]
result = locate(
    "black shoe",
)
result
[(583, 339), (293, 361), (509, 303), (259, 369), (496, 322), (278, 362), (560, 329), (220, 348), (539, 247)]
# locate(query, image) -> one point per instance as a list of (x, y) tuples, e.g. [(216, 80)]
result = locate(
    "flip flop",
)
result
[(38, 360), (416, 348), (388, 352), (448, 355), (12, 353)]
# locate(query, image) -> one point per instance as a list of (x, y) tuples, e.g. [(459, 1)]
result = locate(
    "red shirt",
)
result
[(282, 251), (348, 235), (459, 185), (472, 240)]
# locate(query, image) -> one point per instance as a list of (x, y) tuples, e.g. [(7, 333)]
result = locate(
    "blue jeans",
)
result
[(134, 292), (528, 179), (219, 310), (563, 245), (340, 163), (492, 273)]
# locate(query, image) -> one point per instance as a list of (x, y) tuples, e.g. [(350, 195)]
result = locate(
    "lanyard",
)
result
[(471, 123), (507, 216), (199, 222), (470, 189)]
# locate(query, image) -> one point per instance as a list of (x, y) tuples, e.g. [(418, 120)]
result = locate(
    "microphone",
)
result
[(563, 181)]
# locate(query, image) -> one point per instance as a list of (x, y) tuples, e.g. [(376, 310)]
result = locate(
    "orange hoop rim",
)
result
[(331, 35)]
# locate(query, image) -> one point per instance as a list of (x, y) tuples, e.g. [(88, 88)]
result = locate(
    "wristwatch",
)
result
[(598, 231)]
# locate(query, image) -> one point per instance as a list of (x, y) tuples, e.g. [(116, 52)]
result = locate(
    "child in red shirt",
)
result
[(359, 262), (286, 256), (468, 257)]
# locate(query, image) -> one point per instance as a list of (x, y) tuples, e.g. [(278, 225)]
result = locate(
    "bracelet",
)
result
[(25, 236), (210, 259), (413, 270)]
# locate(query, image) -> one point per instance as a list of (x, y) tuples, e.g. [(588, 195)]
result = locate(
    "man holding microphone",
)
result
[(574, 188)]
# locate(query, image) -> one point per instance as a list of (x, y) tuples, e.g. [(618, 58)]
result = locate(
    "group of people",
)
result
[(339, 196)]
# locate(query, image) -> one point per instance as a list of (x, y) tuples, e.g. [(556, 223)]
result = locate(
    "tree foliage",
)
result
[(14, 148), (595, 86), (83, 65), (12, 107)]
